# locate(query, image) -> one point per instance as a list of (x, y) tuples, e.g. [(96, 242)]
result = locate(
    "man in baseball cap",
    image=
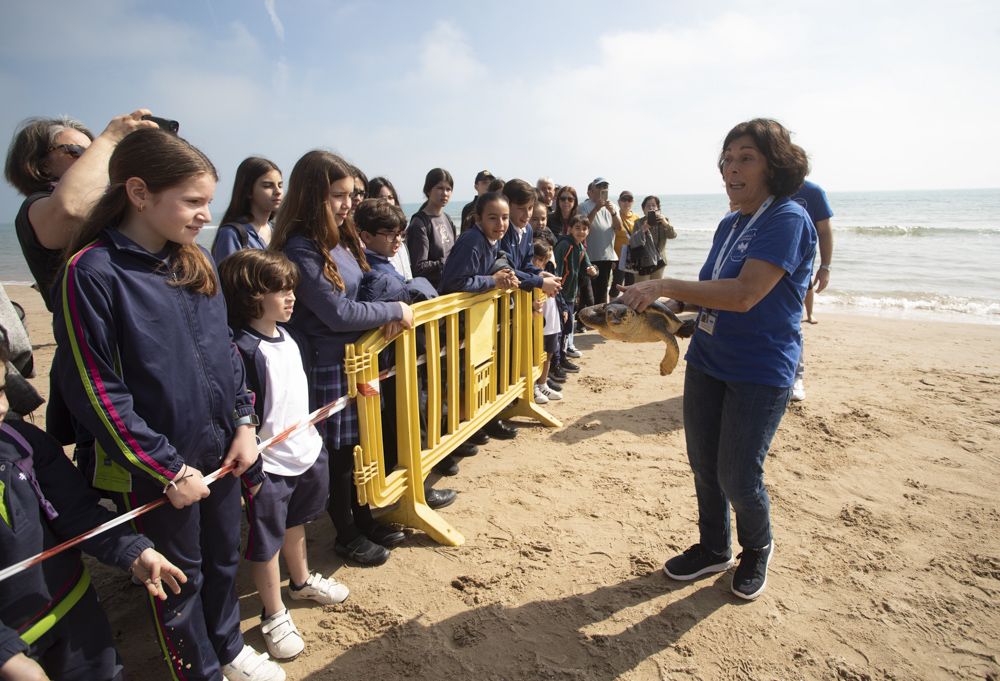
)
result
[(483, 179)]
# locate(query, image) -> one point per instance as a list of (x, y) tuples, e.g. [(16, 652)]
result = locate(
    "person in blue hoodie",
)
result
[(315, 231), (148, 369), (51, 623)]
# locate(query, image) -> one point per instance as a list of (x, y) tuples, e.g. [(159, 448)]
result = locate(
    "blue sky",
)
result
[(639, 92)]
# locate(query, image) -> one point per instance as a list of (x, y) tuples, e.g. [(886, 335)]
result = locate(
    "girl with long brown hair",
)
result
[(315, 230), (146, 365)]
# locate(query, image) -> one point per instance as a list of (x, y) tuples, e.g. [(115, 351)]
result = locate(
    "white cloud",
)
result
[(447, 60), (272, 13)]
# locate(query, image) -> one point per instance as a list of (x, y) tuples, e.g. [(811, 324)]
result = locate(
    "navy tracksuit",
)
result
[(50, 611), (150, 372)]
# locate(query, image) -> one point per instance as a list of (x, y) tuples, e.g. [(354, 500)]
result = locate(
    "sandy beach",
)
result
[(887, 530)]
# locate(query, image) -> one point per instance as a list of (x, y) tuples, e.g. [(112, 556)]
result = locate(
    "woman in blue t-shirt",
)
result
[(741, 361)]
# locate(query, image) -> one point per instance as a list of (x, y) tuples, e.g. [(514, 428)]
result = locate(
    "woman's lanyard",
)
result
[(708, 318), (727, 250)]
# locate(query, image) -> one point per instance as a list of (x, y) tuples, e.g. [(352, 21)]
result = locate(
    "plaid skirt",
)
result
[(329, 383)]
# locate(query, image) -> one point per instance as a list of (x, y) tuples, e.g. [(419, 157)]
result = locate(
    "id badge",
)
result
[(706, 321)]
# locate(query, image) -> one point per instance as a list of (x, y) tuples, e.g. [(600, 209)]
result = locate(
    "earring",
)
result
[(141, 206)]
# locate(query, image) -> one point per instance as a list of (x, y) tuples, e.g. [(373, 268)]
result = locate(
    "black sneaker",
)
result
[(480, 437), (556, 385), (556, 373), (569, 367), (750, 577), (386, 535), (697, 561), (362, 551)]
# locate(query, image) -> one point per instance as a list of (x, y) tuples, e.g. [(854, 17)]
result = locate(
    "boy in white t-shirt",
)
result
[(551, 327), (259, 290)]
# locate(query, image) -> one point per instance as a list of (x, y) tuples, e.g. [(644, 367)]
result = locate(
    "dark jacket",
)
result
[(148, 369), (469, 265), (521, 253), (31, 522), (571, 259), (232, 237), (326, 316), (427, 251)]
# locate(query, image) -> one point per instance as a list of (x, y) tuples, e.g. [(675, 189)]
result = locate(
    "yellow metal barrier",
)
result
[(486, 374)]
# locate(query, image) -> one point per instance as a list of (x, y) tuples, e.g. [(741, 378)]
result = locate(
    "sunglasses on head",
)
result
[(74, 150)]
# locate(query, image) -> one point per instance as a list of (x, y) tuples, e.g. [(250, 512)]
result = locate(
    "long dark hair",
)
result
[(375, 186), (433, 178), (29, 148), (306, 211), (247, 173), (162, 160)]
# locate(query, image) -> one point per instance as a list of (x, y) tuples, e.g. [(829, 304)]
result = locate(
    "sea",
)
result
[(932, 255)]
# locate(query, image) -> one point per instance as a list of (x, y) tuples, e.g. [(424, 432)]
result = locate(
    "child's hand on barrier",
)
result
[(154, 569), (187, 488), (407, 320), (536, 306), (551, 286), (392, 329)]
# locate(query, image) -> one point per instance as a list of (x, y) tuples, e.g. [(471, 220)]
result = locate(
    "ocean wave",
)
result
[(981, 308), (916, 230)]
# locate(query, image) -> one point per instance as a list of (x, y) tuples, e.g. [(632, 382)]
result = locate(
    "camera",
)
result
[(164, 123), (651, 217)]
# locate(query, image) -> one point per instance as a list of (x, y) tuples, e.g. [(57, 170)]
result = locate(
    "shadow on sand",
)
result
[(544, 639)]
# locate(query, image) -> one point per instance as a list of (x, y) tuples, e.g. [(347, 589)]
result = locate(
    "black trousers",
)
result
[(602, 280)]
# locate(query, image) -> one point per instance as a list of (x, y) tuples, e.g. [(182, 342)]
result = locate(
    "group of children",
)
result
[(172, 366)]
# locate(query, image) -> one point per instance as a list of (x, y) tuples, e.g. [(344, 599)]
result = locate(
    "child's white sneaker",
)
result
[(250, 665), (324, 590), (540, 397), (282, 638)]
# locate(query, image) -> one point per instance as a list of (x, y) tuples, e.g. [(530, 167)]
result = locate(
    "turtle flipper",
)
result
[(669, 361)]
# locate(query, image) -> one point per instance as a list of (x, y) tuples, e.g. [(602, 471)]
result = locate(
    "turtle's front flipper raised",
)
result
[(669, 360)]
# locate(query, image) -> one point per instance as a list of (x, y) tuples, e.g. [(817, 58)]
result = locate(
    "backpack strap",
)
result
[(26, 465)]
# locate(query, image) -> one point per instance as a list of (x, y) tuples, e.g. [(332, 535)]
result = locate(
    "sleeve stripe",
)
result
[(94, 385)]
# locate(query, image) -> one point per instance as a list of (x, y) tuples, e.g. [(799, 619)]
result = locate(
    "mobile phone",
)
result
[(604, 196), (164, 123), (650, 217)]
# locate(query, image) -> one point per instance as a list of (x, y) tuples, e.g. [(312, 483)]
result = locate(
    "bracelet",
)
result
[(172, 484), (825, 267)]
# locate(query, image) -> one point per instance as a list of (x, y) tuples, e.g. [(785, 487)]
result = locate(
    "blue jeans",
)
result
[(728, 428)]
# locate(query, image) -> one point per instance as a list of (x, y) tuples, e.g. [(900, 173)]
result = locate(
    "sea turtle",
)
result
[(616, 321)]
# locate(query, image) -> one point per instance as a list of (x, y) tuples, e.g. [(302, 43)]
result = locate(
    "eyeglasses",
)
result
[(359, 195), (392, 236), (566, 198), (626, 200), (74, 150)]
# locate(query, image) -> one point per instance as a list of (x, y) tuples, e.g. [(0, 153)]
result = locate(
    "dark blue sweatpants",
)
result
[(198, 630)]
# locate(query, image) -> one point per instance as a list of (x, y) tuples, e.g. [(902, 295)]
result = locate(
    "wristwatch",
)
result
[(250, 419)]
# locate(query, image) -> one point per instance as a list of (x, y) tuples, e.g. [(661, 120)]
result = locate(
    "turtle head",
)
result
[(594, 316)]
